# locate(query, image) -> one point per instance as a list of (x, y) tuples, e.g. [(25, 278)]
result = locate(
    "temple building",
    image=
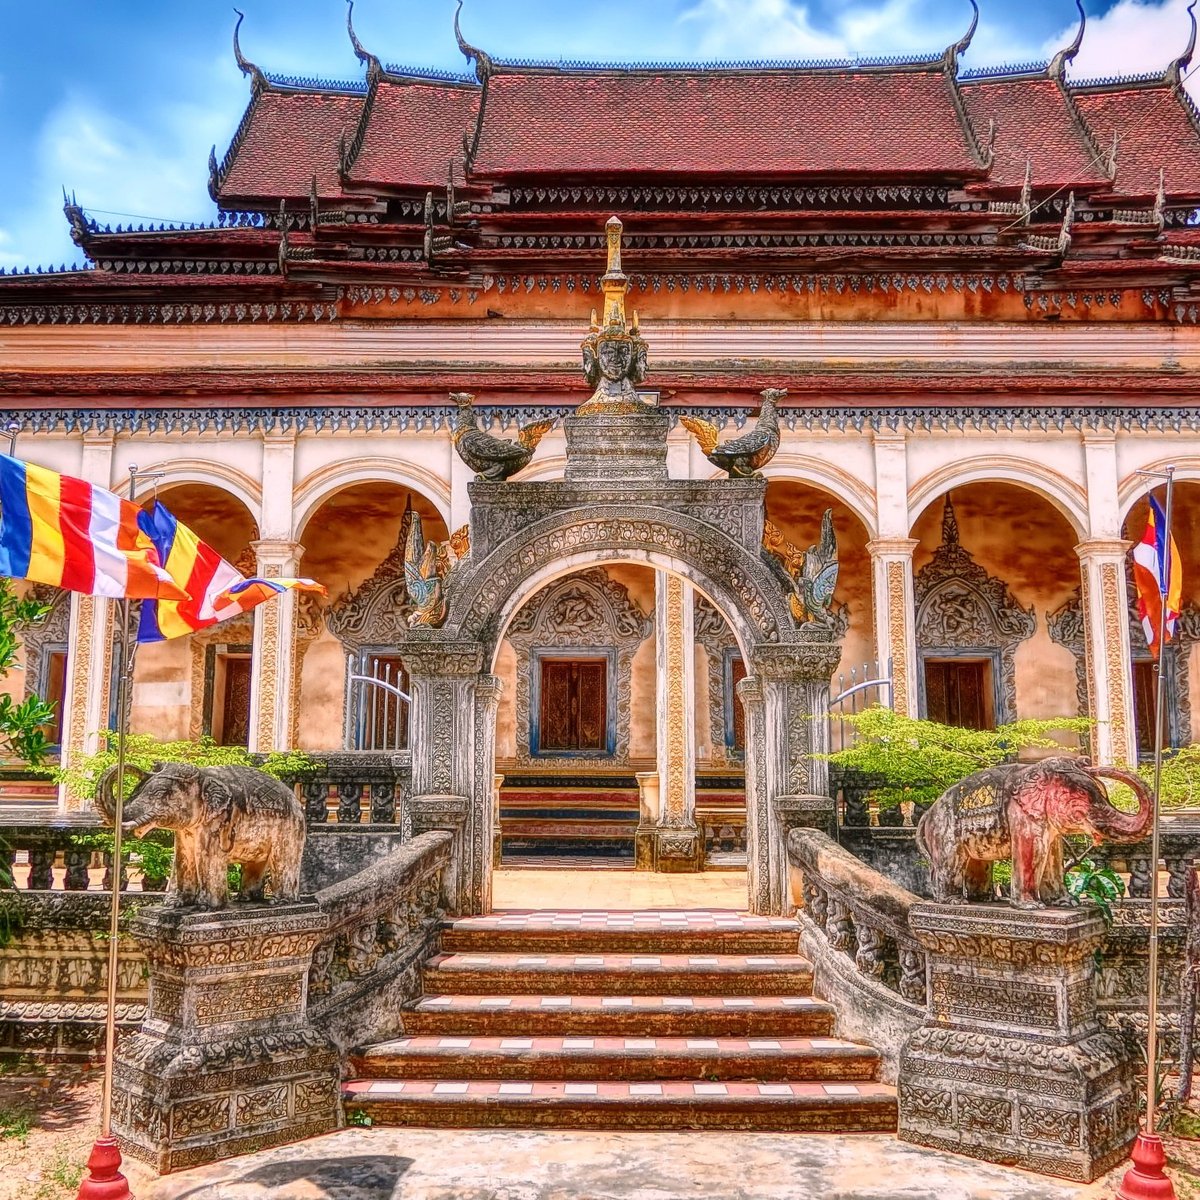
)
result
[(979, 288)]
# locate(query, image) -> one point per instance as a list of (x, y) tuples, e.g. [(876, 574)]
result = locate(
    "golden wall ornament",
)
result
[(1114, 613), (898, 635), (677, 725)]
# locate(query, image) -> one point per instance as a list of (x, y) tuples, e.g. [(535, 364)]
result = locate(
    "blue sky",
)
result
[(120, 100)]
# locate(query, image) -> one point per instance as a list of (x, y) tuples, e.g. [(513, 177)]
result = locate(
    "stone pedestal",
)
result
[(623, 446), (648, 807), (1011, 1065), (226, 1061)]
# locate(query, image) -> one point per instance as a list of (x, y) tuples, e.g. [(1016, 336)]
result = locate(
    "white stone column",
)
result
[(460, 500), (678, 844), (272, 680), (1105, 605), (896, 618), (87, 689)]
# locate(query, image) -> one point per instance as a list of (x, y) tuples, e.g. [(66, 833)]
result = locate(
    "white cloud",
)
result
[(1133, 37), (151, 166)]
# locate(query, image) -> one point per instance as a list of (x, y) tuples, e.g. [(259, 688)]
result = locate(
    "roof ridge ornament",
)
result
[(1175, 72), (1058, 64), (258, 81), (372, 63), (483, 62), (956, 50), (614, 352)]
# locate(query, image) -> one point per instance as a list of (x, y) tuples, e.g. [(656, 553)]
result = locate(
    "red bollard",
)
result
[(1146, 1180), (104, 1181)]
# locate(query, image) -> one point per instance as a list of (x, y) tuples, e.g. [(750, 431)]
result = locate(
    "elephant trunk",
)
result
[(106, 787), (1118, 826)]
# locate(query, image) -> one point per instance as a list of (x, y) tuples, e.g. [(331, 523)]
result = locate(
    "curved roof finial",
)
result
[(956, 50), (1176, 70), (1058, 64), (373, 65), (483, 63), (257, 79)]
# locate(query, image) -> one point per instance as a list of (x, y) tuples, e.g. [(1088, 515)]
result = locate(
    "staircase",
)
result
[(672, 1020)]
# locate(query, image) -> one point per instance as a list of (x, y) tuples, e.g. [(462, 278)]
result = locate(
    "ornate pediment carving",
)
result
[(54, 630)]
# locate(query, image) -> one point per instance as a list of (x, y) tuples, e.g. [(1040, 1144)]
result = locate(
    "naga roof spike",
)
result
[(483, 62), (1175, 71), (956, 50), (257, 79), (372, 63), (1058, 64)]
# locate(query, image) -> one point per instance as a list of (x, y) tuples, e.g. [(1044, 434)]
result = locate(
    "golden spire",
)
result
[(614, 281)]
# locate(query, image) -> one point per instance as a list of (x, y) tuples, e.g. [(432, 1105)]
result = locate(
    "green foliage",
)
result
[(23, 724), (1101, 886), (15, 1122), (1180, 777), (356, 1116), (151, 856), (142, 750), (910, 759)]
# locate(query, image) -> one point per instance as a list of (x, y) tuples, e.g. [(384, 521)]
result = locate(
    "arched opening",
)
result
[(997, 592), (199, 685), (354, 543), (1182, 672)]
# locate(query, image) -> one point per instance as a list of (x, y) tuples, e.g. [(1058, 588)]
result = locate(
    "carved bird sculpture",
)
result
[(491, 457), (424, 580), (817, 577), (745, 456)]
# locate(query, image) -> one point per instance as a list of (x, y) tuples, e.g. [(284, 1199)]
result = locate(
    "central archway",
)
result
[(522, 536)]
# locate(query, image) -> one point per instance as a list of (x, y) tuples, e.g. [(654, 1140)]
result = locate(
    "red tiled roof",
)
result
[(413, 132), (1154, 131), (1033, 123), (900, 123), (290, 136)]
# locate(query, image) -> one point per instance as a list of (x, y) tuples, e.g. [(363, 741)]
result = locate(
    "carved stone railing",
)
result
[(53, 971), (359, 787), (854, 928), (383, 923)]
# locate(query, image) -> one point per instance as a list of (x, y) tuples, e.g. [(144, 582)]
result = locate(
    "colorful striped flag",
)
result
[(215, 588), (1150, 578), (66, 532)]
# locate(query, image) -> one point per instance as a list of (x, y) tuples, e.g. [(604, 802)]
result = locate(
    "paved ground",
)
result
[(617, 890), (428, 1164)]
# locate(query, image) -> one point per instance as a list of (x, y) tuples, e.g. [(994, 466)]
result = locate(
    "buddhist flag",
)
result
[(1151, 562), (62, 531), (216, 589)]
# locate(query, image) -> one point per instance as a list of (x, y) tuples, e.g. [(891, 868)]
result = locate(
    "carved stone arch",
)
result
[(53, 631), (695, 543), (580, 612), (961, 609), (712, 631)]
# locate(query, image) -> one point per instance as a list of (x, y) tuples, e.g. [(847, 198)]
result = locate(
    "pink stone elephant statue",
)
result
[(1020, 811)]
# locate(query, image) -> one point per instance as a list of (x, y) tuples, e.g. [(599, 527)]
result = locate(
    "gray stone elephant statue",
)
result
[(219, 815), (1020, 811)]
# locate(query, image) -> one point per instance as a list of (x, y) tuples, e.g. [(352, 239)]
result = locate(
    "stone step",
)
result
[(639, 932), (619, 974), (598, 1104), (529, 1015), (616, 1058)]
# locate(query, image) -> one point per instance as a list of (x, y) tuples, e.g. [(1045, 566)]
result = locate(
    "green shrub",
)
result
[(906, 758)]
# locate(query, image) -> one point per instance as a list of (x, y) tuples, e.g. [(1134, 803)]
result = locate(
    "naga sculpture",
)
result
[(745, 456), (493, 458), (1020, 811), (426, 566), (219, 815), (813, 572)]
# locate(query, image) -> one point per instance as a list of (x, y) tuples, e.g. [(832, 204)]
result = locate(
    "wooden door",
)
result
[(959, 693), (574, 705)]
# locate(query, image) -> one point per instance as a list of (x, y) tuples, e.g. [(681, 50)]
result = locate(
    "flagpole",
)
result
[(1146, 1180), (105, 1181)]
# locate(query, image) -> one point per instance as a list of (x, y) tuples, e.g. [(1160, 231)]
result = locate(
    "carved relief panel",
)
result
[(725, 668), (590, 617), (962, 612)]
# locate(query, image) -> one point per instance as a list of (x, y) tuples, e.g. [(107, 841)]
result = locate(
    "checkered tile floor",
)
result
[(648, 919), (616, 1090)]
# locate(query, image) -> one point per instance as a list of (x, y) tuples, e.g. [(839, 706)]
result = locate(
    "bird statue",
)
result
[(493, 458), (813, 598), (743, 457)]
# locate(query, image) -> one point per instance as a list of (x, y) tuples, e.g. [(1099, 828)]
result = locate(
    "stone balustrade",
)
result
[(855, 929), (384, 922), (359, 787)]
